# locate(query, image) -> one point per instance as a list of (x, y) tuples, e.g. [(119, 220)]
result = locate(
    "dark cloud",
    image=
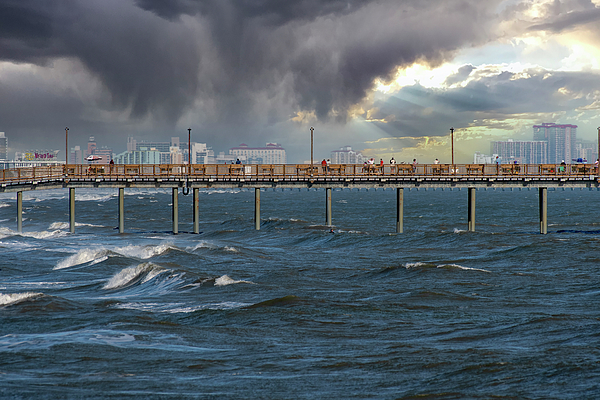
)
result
[(231, 53)]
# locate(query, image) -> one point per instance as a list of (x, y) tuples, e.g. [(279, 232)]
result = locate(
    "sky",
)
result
[(387, 77)]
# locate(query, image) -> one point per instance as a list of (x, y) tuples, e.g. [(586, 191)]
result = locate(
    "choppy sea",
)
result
[(294, 311)]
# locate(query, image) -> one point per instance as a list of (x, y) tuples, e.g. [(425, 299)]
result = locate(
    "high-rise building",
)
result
[(561, 141), (586, 150), (91, 147), (138, 157), (523, 152), (105, 154), (3, 147), (76, 155), (345, 155), (272, 153)]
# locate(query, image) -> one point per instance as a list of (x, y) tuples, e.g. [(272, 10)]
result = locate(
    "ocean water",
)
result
[(293, 311)]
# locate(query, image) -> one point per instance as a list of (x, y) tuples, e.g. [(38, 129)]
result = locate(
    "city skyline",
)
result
[(364, 73)]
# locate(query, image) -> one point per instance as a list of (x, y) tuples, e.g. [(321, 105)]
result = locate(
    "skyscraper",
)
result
[(561, 141), (3, 147)]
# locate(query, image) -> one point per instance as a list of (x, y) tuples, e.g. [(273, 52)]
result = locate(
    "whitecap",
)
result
[(2, 205), (94, 197), (225, 280), (450, 266), (58, 225), (82, 257), (13, 298), (128, 276), (143, 252)]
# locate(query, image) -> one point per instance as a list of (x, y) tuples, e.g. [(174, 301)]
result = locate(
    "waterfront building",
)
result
[(586, 150), (91, 147), (561, 141), (75, 155), (37, 155), (3, 147), (480, 158), (345, 155), (272, 153), (138, 157), (523, 152)]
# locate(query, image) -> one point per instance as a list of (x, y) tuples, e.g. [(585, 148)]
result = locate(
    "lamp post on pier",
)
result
[(311, 150), (452, 140), (598, 158), (66, 146), (190, 147)]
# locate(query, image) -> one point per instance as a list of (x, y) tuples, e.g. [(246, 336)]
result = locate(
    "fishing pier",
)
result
[(191, 178)]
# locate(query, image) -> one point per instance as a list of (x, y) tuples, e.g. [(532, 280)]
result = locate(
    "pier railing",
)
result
[(286, 171)]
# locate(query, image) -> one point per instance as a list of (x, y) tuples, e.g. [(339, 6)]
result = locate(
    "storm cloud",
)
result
[(240, 68)]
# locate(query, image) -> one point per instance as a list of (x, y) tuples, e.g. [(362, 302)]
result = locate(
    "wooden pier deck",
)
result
[(299, 176)]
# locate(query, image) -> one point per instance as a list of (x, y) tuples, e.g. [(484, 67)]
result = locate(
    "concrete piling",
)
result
[(328, 206), (257, 209), (72, 210), (175, 210), (19, 212), (399, 210), (543, 197), (471, 209), (121, 210), (196, 207)]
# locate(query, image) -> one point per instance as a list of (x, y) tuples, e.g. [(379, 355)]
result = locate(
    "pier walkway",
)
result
[(219, 176)]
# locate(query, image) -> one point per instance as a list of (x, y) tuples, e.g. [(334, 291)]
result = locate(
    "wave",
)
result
[(94, 197), (98, 255), (425, 265), (180, 308), (82, 257), (2, 205), (132, 275), (65, 225), (13, 298), (6, 232), (144, 252), (225, 280)]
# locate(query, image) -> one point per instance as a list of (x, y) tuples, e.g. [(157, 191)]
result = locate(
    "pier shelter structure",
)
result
[(186, 178)]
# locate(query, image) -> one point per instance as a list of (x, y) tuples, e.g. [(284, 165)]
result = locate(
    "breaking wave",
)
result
[(129, 276), (13, 298)]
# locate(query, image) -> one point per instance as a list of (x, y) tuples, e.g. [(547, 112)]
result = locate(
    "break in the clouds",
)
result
[(263, 70)]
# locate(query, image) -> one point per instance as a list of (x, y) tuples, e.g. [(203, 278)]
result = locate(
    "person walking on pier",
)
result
[(324, 165), (414, 165)]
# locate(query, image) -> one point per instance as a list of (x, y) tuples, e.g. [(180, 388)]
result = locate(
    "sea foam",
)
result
[(13, 298)]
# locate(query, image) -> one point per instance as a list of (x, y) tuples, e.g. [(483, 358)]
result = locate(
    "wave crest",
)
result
[(13, 298), (129, 276)]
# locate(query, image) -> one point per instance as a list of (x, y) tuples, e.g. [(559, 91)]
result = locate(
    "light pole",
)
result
[(452, 139), (598, 158), (189, 147), (311, 150), (66, 146)]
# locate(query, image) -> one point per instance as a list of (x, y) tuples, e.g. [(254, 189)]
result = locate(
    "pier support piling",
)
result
[(19, 212), (121, 210), (543, 210), (328, 206), (257, 209), (72, 210), (175, 210), (472, 209), (399, 210), (196, 207)]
